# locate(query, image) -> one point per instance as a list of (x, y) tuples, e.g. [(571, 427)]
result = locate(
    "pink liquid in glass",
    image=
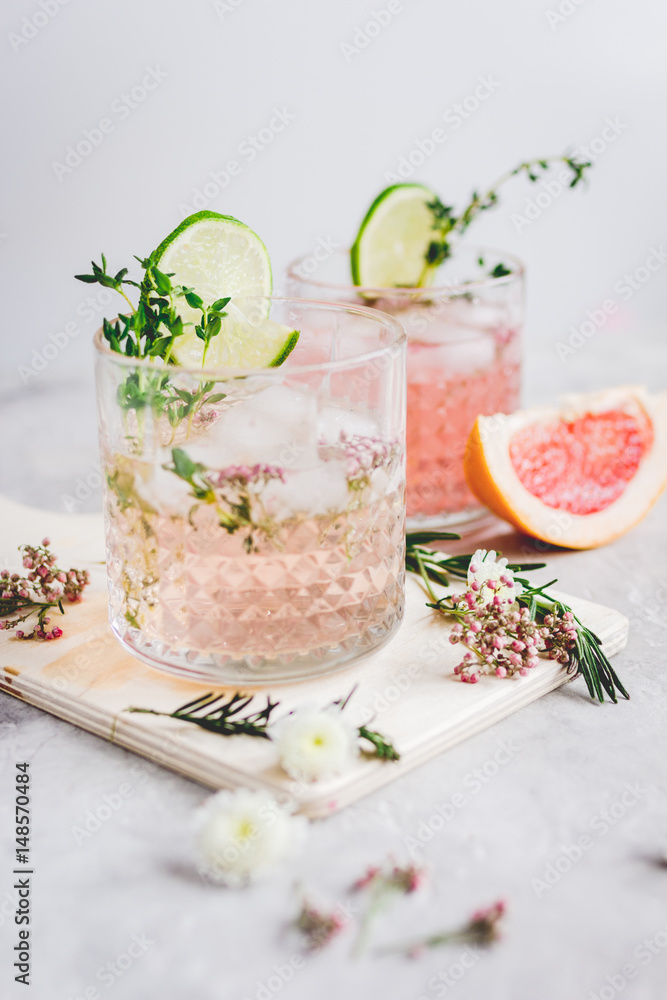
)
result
[(449, 385)]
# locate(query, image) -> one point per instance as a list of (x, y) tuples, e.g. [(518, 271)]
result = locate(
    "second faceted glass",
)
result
[(464, 359)]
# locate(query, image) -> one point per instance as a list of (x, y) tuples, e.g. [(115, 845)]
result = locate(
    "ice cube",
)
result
[(334, 423), (161, 489), (276, 426), (297, 409), (469, 354), (321, 489)]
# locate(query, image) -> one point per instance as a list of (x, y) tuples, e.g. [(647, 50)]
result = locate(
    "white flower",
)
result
[(485, 567), (242, 835), (317, 743)]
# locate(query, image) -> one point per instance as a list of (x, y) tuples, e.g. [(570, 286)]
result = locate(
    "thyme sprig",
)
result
[(448, 224), (151, 327), (586, 657), (217, 715), (150, 331)]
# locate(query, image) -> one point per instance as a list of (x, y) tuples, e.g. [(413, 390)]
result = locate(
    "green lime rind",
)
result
[(199, 217), (287, 349), (365, 230)]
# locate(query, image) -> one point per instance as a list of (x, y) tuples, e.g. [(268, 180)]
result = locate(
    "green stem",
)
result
[(130, 304)]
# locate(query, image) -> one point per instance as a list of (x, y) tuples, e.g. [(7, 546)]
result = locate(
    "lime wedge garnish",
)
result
[(218, 256), (390, 249), (242, 342)]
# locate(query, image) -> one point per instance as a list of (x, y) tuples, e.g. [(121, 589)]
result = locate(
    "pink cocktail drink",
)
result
[(464, 360), (263, 537), (460, 373)]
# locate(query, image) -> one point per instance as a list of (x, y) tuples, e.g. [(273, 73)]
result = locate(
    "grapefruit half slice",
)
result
[(579, 475)]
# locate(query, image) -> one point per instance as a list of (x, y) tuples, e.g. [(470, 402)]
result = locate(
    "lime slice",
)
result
[(390, 248), (218, 256), (243, 342)]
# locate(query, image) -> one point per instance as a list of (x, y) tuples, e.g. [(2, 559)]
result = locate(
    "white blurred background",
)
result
[(337, 95)]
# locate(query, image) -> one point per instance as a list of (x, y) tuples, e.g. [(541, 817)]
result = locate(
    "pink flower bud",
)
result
[(46, 542), (19, 634), (56, 632), (501, 672), (43, 571), (523, 672), (474, 678), (62, 577)]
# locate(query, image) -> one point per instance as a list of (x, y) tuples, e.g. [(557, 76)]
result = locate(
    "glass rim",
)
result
[(404, 291), (378, 317)]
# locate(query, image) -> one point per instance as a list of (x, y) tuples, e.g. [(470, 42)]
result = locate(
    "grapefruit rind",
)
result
[(493, 479)]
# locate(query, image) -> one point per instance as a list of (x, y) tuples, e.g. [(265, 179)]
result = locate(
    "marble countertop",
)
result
[(120, 911)]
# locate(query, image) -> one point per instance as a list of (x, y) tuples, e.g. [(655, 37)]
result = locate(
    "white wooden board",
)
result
[(88, 679)]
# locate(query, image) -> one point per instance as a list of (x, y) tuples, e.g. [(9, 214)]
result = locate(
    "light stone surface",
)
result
[(571, 766)]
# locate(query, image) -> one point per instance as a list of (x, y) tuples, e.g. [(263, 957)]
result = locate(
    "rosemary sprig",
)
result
[(438, 567), (586, 658), (447, 224), (225, 718), (382, 748)]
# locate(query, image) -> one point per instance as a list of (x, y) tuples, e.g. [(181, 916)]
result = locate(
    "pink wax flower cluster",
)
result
[(44, 586), (246, 475), (318, 928), (501, 637), (404, 879), (364, 455)]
